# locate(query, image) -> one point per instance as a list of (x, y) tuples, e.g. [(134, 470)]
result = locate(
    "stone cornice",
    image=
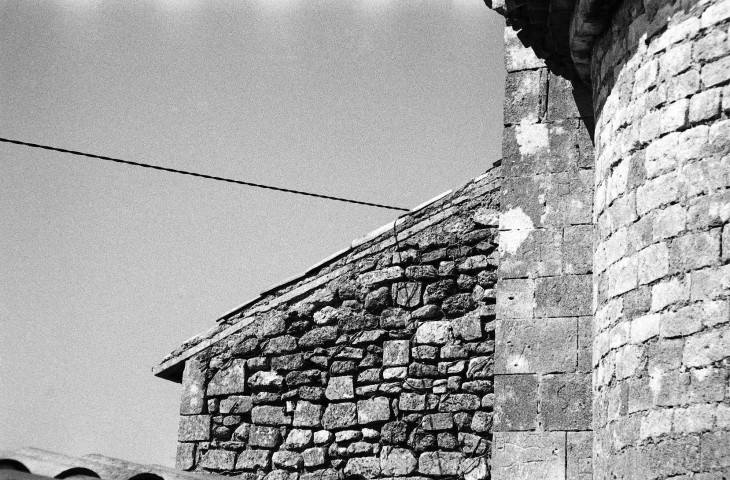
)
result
[(561, 32)]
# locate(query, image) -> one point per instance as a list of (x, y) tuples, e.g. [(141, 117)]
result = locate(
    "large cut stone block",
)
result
[(194, 428), (579, 456), (569, 295), (565, 401), (529, 456), (229, 380), (536, 346), (515, 298), (515, 406), (193, 383), (185, 457)]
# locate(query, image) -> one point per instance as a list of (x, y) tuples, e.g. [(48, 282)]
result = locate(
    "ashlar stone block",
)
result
[(193, 382), (515, 406), (566, 401), (529, 456), (536, 346)]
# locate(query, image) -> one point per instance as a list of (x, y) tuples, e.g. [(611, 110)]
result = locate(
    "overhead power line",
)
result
[(200, 175)]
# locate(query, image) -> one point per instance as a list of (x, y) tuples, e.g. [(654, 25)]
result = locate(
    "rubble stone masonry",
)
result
[(376, 364), (662, 242)]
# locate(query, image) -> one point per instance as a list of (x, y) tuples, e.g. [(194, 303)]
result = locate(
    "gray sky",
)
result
[(105, 268)]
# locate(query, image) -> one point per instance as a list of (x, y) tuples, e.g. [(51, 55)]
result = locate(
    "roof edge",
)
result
[(171, 368)]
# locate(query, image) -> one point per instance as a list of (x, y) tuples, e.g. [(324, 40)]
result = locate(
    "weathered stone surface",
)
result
[(480, 367), (395, 318), (194, 428), (279, 345), (523, 455), (339, 415), (263, 436), (185, 456), (406, 294), (230, 379), (303, 377), (236, 404), (298, 439), (307, 414), (368, 467), (566, 402), (318, 337), (397, 461), (372, 410), (270, 415), (339, 388), (380, 276), (467, 328), (287, 460), (412, 402), (439, 463), (377, 300), (458, 402), (394, 433), (266, 379), (438, 421), (516, 402), (193, 382), (324, 474), (314, 457), (218, 460), (396, 352), (434, 332), (253, 460)]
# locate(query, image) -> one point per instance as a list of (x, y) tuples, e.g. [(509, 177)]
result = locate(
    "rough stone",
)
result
[(218, 460), (229, 380), (253, 460), (397, 461), (439, 463), (194, 428), (339, 415), (372, 410)]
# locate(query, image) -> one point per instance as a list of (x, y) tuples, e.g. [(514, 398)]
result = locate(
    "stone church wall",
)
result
[(662, 205), (377, 364)]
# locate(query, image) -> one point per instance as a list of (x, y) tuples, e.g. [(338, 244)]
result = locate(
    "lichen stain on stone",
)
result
[(532, 138), (516, 226)]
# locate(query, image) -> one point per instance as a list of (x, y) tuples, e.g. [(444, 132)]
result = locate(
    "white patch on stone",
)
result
[(516, 226), (532, 138), (655, 382)]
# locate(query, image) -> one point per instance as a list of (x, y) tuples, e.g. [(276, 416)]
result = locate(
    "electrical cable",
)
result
[(199, 175)]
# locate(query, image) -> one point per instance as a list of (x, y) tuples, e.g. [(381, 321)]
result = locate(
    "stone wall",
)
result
[(662, 241), (543, 333), (377, 363)]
